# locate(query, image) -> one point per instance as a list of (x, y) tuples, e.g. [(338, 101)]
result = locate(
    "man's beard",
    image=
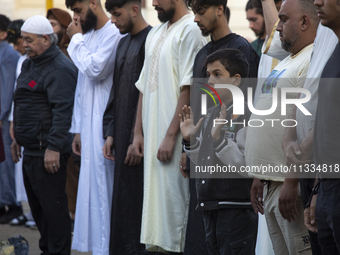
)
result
[(165, 15), (213, 23), (128, 28), (90, 21), (261, 32), (287, 45)]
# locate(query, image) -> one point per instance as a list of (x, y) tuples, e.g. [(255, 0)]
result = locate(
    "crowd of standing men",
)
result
[(118, 101)]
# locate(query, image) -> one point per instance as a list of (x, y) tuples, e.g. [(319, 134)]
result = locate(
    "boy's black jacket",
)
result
[(228, 192)]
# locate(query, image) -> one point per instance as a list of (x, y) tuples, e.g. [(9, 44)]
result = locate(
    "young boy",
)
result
[(229, 220)]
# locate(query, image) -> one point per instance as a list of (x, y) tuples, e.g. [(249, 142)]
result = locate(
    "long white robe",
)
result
[(19, 179), (94, 55), (169, 59)]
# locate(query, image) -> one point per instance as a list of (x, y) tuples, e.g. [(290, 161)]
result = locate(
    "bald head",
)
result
[(298, 24)]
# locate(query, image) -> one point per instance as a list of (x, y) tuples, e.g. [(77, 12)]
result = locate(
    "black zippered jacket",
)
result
[(43, 103), (230, 190)]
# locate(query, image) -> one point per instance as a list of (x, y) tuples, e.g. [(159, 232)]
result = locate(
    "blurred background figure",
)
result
[(256, 20), (9, 208), (60, 20), (256, 23)]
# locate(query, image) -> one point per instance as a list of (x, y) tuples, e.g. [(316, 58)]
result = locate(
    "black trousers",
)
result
[(328, 216), (230, 231), (48, 201)]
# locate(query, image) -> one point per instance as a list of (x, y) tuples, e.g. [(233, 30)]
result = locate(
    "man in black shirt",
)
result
[(118, 129), (327, 139), (210, 17)]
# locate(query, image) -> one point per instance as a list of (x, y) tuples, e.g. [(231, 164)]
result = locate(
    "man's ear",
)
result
[(134, 10), (305, 22), (93, 4), (46, 39), (3, 35), (220, 10), (236, 80)]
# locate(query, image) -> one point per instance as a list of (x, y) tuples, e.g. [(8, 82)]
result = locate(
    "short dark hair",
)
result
[(308, 7), (111, 4), (4, 22), (70, 3), (14, 30), (197, 5), (255, 4), (233, 61), (227, 13)]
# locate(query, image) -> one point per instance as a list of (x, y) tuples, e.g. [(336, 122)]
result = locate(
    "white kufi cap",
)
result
[(38, 25)]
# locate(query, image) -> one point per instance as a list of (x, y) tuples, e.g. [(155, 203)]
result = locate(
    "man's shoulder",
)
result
[(203, 52), (190, 26), (62, 63), (155, 28), (106, 33), (8, 53)]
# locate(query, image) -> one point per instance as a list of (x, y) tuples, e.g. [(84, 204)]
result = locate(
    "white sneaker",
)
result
[(30, 223)]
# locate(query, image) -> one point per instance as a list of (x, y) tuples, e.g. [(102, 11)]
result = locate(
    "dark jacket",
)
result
[(225, 190), (43, 103)]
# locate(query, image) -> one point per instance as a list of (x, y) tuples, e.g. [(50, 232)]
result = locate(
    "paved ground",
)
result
[(32, 236)]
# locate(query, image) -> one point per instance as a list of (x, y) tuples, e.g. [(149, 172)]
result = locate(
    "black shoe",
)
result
[(2, 211), (13, 212), (21, 220)]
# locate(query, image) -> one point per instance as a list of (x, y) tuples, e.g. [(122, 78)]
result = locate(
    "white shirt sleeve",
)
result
[(77, 110), (98, 65)]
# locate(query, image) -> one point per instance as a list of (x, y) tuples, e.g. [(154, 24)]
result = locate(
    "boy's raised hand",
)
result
[(188, 129), (216, 130)]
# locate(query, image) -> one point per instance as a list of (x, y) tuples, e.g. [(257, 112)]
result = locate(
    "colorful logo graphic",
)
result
[(209, 93)]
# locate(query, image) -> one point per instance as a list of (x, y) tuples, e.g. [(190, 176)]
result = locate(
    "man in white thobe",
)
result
[(93, 45), (170, 51)]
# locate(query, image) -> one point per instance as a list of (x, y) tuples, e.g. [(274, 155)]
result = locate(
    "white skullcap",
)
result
[(38, 25)]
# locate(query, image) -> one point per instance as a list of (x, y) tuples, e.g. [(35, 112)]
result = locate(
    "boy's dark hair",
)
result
[(255, 4), (14, 30), (4, 22), (197, 5), (233, 61), (70, 3), (111, 4)]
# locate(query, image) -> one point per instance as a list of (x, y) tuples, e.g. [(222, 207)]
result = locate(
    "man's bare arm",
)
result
[(167, 146), (270, 15)]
